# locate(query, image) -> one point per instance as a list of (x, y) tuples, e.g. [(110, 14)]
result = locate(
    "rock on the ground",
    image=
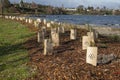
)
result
[(105, 59)]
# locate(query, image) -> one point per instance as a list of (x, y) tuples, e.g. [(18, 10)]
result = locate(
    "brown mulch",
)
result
[(69, 60)]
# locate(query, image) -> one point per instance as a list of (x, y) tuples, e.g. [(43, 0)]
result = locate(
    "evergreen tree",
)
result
[(21, 3)]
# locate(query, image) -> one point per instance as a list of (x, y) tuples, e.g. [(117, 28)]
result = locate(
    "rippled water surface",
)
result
[(111, 20)]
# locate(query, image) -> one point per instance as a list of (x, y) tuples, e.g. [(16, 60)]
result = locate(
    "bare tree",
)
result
[(6, 3), (1, 7)]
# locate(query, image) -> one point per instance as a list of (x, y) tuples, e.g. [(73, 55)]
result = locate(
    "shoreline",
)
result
[(103, 30), (117, 25)]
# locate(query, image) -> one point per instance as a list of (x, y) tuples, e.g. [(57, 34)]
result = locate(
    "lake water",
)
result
[(113, 21)]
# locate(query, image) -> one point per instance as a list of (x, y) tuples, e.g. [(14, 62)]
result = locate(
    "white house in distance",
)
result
[(70, 9)]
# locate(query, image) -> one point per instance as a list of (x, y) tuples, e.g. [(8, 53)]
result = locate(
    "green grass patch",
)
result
[(13, 56)]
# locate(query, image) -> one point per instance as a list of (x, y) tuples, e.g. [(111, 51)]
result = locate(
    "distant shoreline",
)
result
[(94, 20), (104, 30)]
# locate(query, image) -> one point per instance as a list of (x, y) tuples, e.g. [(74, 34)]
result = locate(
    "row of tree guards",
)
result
[(53, 38)]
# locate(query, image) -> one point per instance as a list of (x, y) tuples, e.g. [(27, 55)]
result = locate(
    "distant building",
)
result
[(88, 10), (97, 9), (70, 9)]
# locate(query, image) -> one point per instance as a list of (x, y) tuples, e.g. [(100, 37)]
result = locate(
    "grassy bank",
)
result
[(13, 56)]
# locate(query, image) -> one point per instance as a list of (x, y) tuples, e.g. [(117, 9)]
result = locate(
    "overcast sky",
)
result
[(75, 3)]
